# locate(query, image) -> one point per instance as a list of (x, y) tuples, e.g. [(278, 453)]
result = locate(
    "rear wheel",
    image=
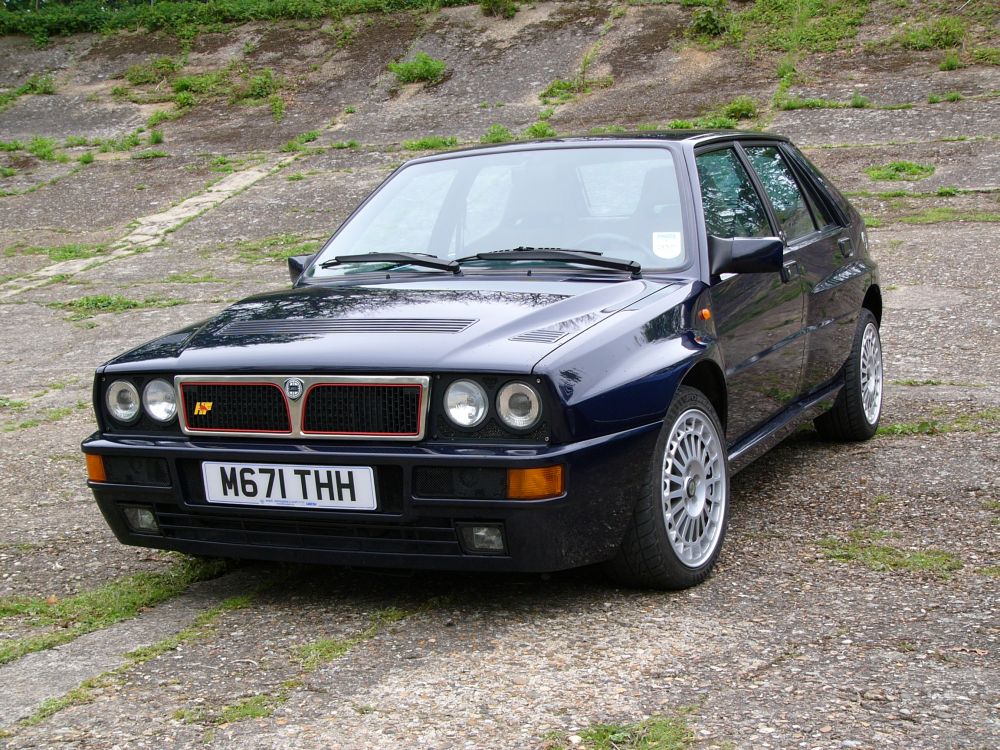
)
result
[(679, 523), (856, 412)]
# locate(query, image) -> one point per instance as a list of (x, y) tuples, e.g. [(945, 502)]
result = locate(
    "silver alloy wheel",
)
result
[(871, 373), (693, 488)]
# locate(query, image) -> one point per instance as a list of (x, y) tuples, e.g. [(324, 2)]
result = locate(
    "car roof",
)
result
[(686, 137)]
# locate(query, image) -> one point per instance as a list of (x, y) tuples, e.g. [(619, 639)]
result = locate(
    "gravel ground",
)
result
[(783, 647)]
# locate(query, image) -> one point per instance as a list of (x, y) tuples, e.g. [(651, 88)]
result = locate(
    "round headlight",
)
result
[(465, 403), (519, 406), (123, 401), (159, 400)]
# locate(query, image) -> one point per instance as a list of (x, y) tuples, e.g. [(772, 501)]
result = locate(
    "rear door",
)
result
[(759, 316)]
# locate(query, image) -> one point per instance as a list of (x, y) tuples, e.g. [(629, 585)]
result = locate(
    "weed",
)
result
[(153, 72), (345, 144), (655, 733), (497, 133), (277, 105), (941, 33), (324, 650), (941, 214), (915, 382), (950, 62), (151, 153), (75, 141), (7, 171), (953, 96), (786, 68), (122, 143), (859, 102), (990, 571), (546, 114), (87, 158), (155, 137), (610, 129), (86, 307), (986, 55), (540, 129), (185, 99), (42, 148), (680, 124), (431, 142), (210, 83), (924, 427), (279, 247), (559, 92), (11, 145), (933, 99), (710, 22), (350, 110), (34, 85), (796, 25), (715, 122), (864, 546), (422, 67), (946, 192), (499, 8), (92, 610), (260, 86), (295, 177), (740, 108), (298, 143), (254, 707), (61, 252), (160, 116), (900, 170)]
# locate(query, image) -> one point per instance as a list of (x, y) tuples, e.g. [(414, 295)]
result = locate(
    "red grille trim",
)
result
[(335, 384), (232, 384)]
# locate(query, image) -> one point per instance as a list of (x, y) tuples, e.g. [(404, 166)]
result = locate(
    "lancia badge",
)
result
[(294, 388)]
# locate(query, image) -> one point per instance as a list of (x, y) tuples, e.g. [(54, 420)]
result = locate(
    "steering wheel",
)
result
[(605, 242)]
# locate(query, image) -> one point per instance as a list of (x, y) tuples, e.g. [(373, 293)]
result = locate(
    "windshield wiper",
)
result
[(584, 257), (397, 259)]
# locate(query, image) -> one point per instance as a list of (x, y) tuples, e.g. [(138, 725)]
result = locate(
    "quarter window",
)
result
[(780, 185), (732, 206)]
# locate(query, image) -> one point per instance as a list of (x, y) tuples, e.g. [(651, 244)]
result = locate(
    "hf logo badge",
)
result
[(201, 408)]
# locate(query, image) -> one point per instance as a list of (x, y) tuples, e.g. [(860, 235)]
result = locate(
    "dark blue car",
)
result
[(522, 358)]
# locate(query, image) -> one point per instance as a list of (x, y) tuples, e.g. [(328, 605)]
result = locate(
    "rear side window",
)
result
[(779, 183), (732, 206)]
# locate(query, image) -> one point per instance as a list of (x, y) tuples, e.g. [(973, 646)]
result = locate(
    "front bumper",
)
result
[(585, 525)]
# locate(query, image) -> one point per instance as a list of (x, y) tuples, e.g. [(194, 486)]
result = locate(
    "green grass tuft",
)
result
[(152, 72), (150, 154), (86, 307), (740, 108), (430, 143), (900, 170), (864, 546), (422, 68), (499, 8), (497, 133), (540, 129), (42, 148), (941, 33), (298, 143)]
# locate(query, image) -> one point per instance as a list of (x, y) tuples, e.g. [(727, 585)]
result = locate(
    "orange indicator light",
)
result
[(535, 484), (95, 468), (705, 313)]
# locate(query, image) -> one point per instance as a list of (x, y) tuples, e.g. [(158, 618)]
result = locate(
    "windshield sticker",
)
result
[(667, 245)]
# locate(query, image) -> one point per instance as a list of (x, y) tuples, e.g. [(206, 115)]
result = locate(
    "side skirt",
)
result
[(757, 443)]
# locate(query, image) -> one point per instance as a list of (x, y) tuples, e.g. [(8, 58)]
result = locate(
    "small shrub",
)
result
[(87, 158), (153, 72), (953, 96), (900, 170), (260, 86), (709, 22), (680, 124), (559, 92), (184, 100), (859, 102), (950, 62), (298, 143), (497, 133), (42, 148), (499, 8), (933, 99), (422, 67), (39, 85), (430, 142), (941, 33), (155, 137), (540, 129), (741, 108)]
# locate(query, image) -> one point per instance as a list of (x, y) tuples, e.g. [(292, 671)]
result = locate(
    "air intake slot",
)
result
[(314, 326)]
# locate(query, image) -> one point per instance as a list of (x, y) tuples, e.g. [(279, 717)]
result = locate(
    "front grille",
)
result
[(363, 409), (431, 537), (235, 407)]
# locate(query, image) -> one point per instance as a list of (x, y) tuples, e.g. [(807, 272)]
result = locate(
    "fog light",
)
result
[(484, 539), (141, 518)]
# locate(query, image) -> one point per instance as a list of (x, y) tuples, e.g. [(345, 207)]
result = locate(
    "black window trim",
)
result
[(815, 185)]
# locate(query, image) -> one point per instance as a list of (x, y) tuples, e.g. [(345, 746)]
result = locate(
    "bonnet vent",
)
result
[(316, 326), (539, 337)]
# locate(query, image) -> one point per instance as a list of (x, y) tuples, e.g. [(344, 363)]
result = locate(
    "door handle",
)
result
[(789, 270), (846, 246)]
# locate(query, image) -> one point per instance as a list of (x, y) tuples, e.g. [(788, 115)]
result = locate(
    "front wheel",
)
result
[(679, 523), (856, 412)]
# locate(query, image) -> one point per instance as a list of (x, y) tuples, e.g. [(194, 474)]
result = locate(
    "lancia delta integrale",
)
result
[(520, 358)]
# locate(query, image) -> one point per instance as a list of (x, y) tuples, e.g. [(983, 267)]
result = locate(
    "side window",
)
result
[(732, 206), (786, 197)]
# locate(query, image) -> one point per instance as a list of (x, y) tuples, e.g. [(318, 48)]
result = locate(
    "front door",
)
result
[(759, 316)]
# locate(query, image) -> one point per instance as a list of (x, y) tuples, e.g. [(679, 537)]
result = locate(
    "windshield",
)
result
[(619, 201)]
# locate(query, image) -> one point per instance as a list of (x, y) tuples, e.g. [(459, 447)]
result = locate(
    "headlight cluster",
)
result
[(159, 400), (517, 404)]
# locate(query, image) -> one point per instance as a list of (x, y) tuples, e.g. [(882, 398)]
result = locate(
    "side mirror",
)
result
[(745, 254), (297, 264)]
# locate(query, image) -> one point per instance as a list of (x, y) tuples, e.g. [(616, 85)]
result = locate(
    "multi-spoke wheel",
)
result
[(856, 412), (679, 524)]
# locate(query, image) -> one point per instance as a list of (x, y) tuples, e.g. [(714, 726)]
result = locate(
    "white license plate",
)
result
[(290, 485)]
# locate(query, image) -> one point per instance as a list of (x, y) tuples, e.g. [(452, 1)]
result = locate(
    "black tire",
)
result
[(847, 420), (647, 558)]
